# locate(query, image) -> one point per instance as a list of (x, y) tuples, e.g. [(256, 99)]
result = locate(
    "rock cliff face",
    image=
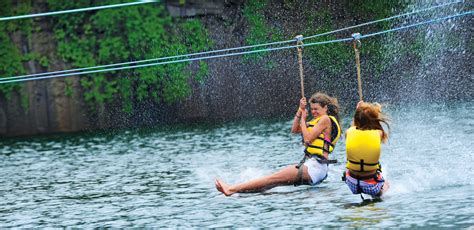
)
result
[(234, 88), (50, 110)]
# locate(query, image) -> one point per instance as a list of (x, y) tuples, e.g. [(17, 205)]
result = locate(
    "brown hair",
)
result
[(325, 100), (369, 116)]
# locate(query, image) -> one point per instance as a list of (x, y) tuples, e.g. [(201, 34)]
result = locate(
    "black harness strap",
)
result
[(359, 189), (299, 175)]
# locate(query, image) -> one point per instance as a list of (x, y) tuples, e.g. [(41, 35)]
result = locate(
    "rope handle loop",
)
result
[(356, 40)]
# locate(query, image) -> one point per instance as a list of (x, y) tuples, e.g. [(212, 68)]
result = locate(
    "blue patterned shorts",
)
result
[(368, 186)]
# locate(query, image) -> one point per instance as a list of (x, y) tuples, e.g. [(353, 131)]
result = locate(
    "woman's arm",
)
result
[(357, 106), (310, 136), (295, 127)]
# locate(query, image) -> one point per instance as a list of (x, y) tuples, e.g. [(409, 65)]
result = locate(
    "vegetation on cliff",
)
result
[(114, 36)]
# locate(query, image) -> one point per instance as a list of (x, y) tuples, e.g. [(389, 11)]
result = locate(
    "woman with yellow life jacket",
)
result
[(319, 136), (363, 145)]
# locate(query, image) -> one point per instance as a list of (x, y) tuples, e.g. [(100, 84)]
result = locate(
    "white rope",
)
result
[(76, 10)]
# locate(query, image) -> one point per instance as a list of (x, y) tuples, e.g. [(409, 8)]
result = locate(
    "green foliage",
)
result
[(202, 72), (374, 49), (69, 90), (10, 57), (333, 56), (259, 30), (10, 66), (373, 10), (131, 33)]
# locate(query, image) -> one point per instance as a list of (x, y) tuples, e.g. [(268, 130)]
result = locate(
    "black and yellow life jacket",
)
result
[(322, 144), (363, 149)]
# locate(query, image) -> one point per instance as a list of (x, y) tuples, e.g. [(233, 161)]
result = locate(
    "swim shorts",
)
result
[(367, 186), (317, 171)]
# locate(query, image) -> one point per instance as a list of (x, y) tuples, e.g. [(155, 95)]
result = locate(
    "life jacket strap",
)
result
[(372, 176), (322, 148), (362, 163), (326, 141)]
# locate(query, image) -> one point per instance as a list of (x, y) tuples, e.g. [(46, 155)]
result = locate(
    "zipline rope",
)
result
[(355, 44), (241, 53), (299, 43), (76, 10), (222, 50)]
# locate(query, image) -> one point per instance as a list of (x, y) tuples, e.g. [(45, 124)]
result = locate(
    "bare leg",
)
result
[(286, 176)]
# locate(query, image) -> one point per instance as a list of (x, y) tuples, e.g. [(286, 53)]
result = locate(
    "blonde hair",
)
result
[(369, 116), (325, 100)]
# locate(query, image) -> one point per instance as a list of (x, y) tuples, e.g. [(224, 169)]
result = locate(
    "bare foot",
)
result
[(223, 187)]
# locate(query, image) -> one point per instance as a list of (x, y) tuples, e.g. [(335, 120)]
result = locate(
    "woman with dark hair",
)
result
[(319, 136), (363, 145)]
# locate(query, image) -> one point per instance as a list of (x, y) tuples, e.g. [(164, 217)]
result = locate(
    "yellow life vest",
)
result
[(320, 144), (363, 149)]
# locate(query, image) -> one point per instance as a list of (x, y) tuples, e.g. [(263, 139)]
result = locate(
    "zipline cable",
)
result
[(148, 60), (241, 53), (417, 24), (76, 10), (171, 62), (224, 50), (385, 19)]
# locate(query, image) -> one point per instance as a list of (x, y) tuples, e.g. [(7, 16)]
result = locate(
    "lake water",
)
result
[(163, 177)]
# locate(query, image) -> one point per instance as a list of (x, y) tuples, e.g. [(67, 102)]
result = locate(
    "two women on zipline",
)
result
[(320, 135)]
